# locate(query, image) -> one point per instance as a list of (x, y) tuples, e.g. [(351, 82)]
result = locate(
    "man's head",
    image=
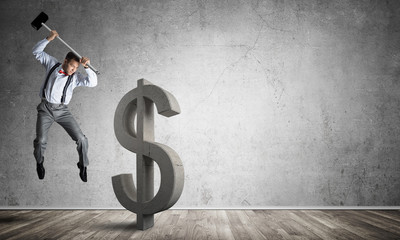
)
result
[(71, 63)]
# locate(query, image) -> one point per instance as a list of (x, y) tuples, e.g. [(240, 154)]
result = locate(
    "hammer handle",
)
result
[(75, 52)]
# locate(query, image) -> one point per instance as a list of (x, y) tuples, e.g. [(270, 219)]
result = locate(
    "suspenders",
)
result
[(47, 78), (65, 87)]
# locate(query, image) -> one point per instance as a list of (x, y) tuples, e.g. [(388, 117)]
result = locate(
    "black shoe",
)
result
[(40, 170), (82, 172)]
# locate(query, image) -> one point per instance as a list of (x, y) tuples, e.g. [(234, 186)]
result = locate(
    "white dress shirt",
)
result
[(57, 81)]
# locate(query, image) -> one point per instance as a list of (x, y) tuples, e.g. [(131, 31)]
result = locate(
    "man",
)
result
[(56, 93)]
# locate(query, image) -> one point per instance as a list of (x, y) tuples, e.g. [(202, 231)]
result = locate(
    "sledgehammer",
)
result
[(39, 22)]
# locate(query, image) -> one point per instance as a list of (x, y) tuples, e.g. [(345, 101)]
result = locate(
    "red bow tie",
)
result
[(62, 72)]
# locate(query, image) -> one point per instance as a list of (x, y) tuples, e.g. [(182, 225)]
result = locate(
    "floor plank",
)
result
[(201, 224)]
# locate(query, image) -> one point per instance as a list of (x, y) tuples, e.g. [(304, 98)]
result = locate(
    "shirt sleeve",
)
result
[(88, 81), (45, 59)]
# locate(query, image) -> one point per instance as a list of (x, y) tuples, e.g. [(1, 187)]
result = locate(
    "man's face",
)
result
[(70, 66)]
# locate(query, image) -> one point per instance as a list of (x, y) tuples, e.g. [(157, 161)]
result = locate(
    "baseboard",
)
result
[(216, 208), (296, 208)]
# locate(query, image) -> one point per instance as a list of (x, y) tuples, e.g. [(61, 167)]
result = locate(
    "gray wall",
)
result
[(286, 103)]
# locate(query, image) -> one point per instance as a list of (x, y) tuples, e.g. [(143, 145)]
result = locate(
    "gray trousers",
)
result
[(48, 114)]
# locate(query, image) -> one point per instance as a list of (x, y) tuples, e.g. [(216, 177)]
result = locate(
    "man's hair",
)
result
[(71, 56)]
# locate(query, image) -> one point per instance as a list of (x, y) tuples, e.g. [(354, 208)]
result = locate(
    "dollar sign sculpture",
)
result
[(139, 103)]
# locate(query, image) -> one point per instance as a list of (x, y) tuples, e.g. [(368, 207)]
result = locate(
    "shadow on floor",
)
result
[(11, 219), (131, 227)]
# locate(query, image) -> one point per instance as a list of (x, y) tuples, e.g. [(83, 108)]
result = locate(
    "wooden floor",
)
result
[(202, 224)]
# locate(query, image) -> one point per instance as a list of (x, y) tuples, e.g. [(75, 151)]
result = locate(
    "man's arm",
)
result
[(91, 79), (38, 50)]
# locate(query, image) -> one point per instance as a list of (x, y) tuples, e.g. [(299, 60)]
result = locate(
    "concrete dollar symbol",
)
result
[(139, 103)]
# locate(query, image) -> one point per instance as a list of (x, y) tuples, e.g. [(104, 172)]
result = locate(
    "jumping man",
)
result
[(56, 93)]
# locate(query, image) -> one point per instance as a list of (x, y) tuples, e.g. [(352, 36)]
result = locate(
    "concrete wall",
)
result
[(284, 103)]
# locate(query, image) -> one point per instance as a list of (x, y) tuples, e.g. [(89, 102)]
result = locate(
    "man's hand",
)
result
[(53, 34), (85, 61)]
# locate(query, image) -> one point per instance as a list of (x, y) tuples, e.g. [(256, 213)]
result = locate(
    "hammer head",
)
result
[(37, 23)]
